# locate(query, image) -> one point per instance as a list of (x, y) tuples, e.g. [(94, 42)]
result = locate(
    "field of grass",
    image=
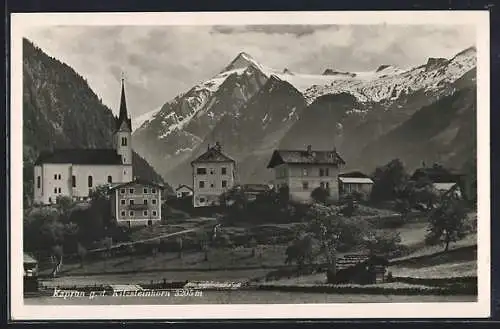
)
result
[(447, 270)]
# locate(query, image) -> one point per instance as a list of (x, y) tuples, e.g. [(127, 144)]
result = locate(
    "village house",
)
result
[(355, 182), (251, 191), (443, 180), (136, 203), (183, 191), (75, 172), (304, 170), (213, 174)]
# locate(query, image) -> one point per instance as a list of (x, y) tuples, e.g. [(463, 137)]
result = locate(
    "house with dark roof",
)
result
[(304, 170), (213, 174), (355, 182), (136, 203), (183, 191), (444, 180), (75, 172)]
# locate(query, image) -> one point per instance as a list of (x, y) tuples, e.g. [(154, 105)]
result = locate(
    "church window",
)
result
[(110, 179), (55, 176), (124, 141), (89, 181), (38, 181), (73, 181), (55, 189), (59, 190), (122, 201), (59, 176)]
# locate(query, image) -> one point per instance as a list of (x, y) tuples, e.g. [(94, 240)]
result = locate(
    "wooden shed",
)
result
[(360, 269)]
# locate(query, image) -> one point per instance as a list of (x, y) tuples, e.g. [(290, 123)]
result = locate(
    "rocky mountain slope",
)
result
[(61, 111), (252, 109)]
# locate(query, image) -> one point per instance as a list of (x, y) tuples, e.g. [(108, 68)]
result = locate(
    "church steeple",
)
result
[(123, 116)]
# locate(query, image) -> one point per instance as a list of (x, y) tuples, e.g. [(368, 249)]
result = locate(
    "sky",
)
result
[(160, 62)]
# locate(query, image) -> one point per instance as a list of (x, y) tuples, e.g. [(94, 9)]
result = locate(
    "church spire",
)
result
[(123, 116)]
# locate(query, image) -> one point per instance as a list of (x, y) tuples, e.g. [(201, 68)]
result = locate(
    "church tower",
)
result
[(123, 132)]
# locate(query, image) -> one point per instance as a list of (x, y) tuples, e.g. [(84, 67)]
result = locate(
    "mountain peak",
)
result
[(242, 60)]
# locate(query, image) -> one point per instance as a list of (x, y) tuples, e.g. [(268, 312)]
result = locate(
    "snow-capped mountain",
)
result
[(252, 108)]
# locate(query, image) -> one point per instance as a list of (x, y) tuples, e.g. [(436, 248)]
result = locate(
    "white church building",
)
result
[(76, 172)]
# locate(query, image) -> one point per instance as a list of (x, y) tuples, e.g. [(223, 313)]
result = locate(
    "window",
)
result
[(131, 191), (153, 190), (145, 190), (122, 191), (59, 190), (211, 171), (131, 201), (224, 183), (305, 185), (89, 181), (122, 201), (202, 200), (50, 200), (305, 172), (110, 179), (224, 171), (55, 176), (327, 172), (201, 184), (73, 181), (154, 213), (146, 202), (55, 189), (153, 201), (123, 213), (212, 185), (145, 213), (131, 213), (124, 141), (59, 176), (321, 172), (38, 182), (201, 171)]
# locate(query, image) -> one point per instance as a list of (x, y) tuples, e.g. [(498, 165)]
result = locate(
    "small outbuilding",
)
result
[(355, 182), (360, 269)]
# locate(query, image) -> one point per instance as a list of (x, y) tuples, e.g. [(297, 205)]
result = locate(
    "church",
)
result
[(76, 172)]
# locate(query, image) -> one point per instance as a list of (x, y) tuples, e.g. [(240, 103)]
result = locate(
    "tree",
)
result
[(447, 223), (300, 251), (389, 180), (320, 194), (382, 243), (335, 233), (65, 205)]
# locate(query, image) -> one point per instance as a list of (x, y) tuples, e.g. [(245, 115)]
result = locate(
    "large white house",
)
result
[(75, 172), (213, 174)]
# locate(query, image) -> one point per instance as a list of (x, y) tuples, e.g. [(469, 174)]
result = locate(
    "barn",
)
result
[(360, 269)]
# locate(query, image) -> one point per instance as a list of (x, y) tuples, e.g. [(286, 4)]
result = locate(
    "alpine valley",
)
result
[(425, 113)]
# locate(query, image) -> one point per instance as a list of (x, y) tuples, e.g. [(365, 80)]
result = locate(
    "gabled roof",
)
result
[(182, 185), (304, 157), (356, 180), (80, 156), (436, 174), (139, 181), (213, 154)]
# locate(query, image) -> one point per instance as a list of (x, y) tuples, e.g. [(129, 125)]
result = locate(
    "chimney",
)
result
[(218, 146), (208, 146)]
